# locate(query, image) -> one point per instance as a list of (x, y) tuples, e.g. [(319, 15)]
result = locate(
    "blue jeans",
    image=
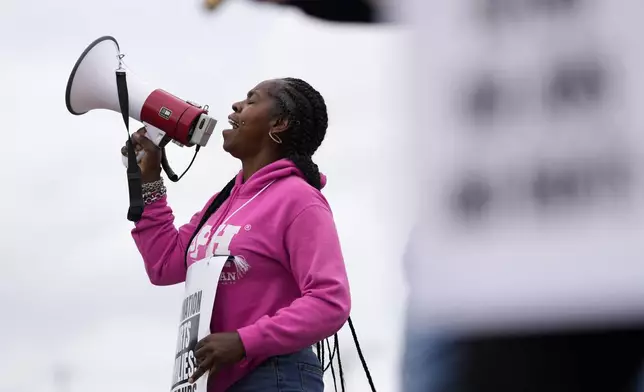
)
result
[(297, 372)]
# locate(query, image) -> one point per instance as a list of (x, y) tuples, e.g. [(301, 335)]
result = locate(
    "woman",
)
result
[(289, 289)]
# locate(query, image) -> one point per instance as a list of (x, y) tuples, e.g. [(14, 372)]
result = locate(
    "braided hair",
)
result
[(305, 110)]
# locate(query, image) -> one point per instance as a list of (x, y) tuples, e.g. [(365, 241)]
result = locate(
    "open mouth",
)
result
[(233, 123)]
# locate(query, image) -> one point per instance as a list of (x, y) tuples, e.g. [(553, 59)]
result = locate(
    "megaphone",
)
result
[(100, 80), (92, 85)]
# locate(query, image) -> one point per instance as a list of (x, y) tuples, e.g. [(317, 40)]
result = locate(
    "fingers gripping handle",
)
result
[(155, 135), (139, 156)]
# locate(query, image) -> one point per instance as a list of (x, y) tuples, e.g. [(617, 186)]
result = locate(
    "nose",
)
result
[(237, 107)]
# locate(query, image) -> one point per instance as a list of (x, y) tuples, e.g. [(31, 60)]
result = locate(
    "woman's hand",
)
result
[(216, 350), (151, 162)]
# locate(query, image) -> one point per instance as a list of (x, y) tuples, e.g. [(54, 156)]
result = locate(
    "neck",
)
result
[(251, 165)]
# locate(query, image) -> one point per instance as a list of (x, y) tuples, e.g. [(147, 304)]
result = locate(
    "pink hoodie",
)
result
[(289, 289)]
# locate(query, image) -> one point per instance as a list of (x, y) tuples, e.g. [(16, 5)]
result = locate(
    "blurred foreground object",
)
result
[(353, 11), (212, 4), (526, 266), (531, 139)]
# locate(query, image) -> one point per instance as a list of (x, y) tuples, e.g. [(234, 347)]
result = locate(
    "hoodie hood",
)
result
[(269, 173)]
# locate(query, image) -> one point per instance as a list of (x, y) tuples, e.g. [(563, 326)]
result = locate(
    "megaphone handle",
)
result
[(172, 176)]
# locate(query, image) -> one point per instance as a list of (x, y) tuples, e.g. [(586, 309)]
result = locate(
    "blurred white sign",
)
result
[(531, 133)]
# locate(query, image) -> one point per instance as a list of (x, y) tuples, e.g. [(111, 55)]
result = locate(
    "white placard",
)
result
[(196, 313), (530, 125)]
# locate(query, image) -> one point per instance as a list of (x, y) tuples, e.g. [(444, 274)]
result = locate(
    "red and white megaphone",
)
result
[(93, 85), (99, 80)]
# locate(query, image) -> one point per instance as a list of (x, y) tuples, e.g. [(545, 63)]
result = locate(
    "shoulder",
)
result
[(298, 195)]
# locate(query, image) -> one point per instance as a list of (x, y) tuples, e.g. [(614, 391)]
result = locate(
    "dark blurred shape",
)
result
[(576, 84), (564, 185), (472, 199), (347, 11), (575, 361), (573, 186), (484, 102), (355, 11)]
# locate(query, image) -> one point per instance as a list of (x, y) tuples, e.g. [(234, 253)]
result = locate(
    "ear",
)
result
[(280, 124)]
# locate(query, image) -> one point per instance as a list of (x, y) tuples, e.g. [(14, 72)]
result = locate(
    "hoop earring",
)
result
[(275, 138)]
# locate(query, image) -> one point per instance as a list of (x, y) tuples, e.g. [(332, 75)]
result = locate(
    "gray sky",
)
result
[(74, 291)]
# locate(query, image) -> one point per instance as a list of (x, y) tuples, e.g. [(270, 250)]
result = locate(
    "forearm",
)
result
[(161, 244)]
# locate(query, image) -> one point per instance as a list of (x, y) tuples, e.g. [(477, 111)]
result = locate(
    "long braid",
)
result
[(308, 168), (305, 109)]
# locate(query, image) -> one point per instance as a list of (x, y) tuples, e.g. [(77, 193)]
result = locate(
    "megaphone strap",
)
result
[(135, 191)]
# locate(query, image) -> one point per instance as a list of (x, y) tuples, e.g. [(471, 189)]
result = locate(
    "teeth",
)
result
[(233, 123)]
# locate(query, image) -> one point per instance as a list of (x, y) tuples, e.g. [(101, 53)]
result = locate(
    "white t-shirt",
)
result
[(530, 128)]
